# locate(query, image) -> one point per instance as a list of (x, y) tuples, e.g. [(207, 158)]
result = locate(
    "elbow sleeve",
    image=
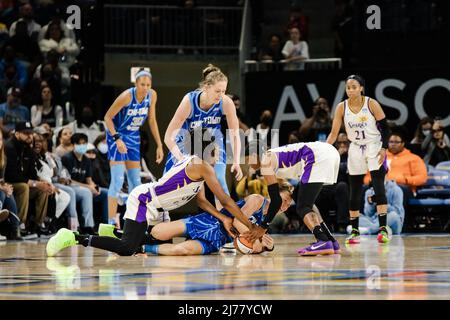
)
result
[(275, 204)]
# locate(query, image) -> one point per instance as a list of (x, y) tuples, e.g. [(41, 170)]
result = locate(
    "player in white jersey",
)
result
[(367, 129), (313, 164), (147, 202)]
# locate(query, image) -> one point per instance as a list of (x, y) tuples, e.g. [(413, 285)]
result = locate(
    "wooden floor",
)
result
[(410, 267)]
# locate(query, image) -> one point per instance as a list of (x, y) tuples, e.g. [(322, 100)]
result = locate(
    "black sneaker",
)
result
[(28, 235), (4, 214)]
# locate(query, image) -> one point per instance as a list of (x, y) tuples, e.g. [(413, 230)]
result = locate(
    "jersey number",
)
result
[(360, 135)]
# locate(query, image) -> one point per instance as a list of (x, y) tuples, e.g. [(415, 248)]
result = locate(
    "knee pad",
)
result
[(134, 178), (117, 178), (303, 210), (220, 170)]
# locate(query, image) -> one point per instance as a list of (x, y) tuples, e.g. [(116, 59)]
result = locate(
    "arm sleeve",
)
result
[(384, 130), (274, 206)]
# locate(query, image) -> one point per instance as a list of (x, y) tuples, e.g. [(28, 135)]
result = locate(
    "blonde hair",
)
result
[(285, 186), (212, 75)]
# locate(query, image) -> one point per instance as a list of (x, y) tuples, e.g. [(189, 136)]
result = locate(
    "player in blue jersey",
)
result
[(147, 202), (205, 108), (123, 121), (205, 234)]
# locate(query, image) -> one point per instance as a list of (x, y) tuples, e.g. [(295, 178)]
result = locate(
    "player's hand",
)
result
[(228, 225), (267, 241), (237, 168), (121, 146), (381, 156), (256, 232), (159, 154)]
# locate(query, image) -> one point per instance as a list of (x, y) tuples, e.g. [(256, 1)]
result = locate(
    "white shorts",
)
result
[(140, 209), (363, 158), (326, 167)]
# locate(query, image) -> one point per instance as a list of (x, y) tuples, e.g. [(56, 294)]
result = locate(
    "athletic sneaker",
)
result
[(383, 236), (62, 239), (353, 238), (317, 248), (336, 247), (106, 230)]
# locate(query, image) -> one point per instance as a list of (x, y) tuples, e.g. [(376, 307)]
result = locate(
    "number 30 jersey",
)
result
[(127, 123), (361, 127)]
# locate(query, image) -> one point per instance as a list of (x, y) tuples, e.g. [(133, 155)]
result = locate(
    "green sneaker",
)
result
[(353, 238), (383, 236), (62, 239), (106, 230)]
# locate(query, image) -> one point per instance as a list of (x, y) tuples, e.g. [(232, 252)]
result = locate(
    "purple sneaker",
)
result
[(336, 247), (317, 248)]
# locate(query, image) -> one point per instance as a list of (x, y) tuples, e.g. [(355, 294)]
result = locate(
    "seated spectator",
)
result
[(298, 20), (45, 167), (55, 74), (436, 145), (101, 173), (294, 137), (317, 127), (243, 121), (63, 142), (423, 130), (405, 168), (58, 20), (46, 131), (252, 183), (12, 71), (55, 39), (80, 170), (337, 196), (294, 51), (12, 112), (395, 210), (9, 222), (26, 48), (8, 14), (271, 51), (26, 14), (46, 111), (21, 173), (263, 133), (87, 124)]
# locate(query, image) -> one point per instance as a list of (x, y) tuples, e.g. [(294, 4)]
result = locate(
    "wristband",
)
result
[(116, 137)]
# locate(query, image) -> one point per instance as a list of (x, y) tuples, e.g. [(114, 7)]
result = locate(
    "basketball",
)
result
[(243, 245)]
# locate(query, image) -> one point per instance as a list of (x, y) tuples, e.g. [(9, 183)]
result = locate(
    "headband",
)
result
[(143, 73)]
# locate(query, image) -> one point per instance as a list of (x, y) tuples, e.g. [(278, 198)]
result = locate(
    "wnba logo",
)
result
[(74, 20)]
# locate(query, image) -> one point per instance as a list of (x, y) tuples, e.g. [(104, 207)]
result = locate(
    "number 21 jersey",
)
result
[(361, 127)]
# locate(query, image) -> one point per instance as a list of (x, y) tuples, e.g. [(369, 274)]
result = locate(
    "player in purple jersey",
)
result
[(313, 164), (178, 186), (123, 121)]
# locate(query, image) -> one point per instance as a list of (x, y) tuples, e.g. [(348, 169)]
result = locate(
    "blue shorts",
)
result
[(133, 145), (207, 230)]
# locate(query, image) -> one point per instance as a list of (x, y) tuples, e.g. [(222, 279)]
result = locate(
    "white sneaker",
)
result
[(2, 238), (362, 230)]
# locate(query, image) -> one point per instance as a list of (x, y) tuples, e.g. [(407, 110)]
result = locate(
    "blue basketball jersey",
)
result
[(127, 123), (200, 118)]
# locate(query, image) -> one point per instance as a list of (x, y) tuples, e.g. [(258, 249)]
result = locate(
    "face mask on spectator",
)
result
[(102, 147), (426, 132), (80, 148)]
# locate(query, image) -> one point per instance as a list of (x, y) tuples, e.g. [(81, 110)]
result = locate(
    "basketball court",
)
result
[(410, 267)]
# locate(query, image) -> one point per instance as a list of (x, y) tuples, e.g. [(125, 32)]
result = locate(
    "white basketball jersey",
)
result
[(175, 188), (296, 161), (361, 127)]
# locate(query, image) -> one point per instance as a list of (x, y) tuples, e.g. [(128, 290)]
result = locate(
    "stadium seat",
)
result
[(443, 166), (427, 202)]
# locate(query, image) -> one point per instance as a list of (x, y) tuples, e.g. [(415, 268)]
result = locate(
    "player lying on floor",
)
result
[(205, 234)]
